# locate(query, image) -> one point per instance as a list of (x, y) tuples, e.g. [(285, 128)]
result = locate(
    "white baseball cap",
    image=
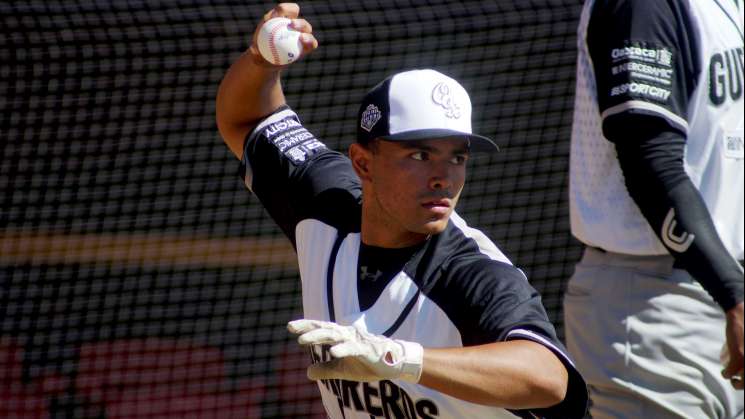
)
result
[(418, 105)]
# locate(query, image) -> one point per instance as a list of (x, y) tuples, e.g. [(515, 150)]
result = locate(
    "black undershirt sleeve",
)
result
[(651, 158)]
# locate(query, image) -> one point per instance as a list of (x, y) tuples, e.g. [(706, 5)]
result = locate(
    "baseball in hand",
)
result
[(277, 43)]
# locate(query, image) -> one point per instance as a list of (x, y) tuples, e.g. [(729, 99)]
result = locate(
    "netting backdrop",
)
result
[(139, 278)]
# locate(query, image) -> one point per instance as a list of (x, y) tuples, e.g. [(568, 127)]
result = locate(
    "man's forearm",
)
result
[(250, 91), (653, 169), (518, 374)]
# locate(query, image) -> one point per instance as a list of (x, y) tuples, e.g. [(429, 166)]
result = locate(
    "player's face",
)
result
[(415, 186)]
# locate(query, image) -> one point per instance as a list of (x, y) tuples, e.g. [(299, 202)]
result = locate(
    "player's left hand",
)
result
[(359, 355)]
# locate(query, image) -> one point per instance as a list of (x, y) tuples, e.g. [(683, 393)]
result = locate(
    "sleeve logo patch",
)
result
[(659, 56), (641, 89), (297, 155), (646, 72), (293, 140), (280, 126), (640, 70)]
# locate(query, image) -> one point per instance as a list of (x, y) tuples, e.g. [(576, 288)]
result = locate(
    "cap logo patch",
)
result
[(370, 117), (442, 97)]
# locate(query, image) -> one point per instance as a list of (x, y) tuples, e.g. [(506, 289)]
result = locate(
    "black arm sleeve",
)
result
[(652, 165)]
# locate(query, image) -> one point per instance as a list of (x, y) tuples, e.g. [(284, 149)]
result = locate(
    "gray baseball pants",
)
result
[(647, 338)]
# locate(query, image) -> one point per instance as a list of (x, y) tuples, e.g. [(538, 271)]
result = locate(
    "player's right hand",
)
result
[(290, 11)]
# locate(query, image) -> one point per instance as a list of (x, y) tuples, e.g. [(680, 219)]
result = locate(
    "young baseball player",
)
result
[(656, 193), (409, 313)]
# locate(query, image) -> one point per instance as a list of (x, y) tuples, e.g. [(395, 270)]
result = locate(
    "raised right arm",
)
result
[(251, 88)]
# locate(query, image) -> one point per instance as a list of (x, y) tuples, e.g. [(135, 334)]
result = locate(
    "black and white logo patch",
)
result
[(370, 117), (297, 154), (643, 52), (642, 71), (293, 140)]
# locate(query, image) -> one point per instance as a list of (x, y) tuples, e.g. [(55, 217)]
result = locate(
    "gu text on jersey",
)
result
[(726, 76), (383, 399)]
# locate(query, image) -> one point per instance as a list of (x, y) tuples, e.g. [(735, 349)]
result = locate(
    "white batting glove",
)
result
[(359, 355)]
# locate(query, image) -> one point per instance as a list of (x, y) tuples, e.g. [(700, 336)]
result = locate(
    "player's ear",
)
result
[(361, 158)]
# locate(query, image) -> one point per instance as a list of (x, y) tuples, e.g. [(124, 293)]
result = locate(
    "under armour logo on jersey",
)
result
[(441, 96), (365, 276), (370, 117), (677, 242)]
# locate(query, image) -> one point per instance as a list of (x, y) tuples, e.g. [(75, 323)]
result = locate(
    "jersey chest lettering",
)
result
[(382, 399), (726, 76)]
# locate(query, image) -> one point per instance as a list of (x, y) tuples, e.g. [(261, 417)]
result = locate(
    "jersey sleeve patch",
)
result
[(295, 176), (641, 70), (645, 63), (290, 137), (641, 79)]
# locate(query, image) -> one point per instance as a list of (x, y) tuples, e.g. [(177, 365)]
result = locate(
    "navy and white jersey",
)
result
[(680, 63), (457, 289)]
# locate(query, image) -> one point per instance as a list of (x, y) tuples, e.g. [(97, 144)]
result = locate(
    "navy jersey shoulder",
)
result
[(498, 299), (485, 297), (296, 177)]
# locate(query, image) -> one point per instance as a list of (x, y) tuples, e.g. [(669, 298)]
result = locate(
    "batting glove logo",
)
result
[(442, 97), (370, 117)]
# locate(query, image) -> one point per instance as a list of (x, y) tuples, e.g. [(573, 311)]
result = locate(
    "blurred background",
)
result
[(140, 278)]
